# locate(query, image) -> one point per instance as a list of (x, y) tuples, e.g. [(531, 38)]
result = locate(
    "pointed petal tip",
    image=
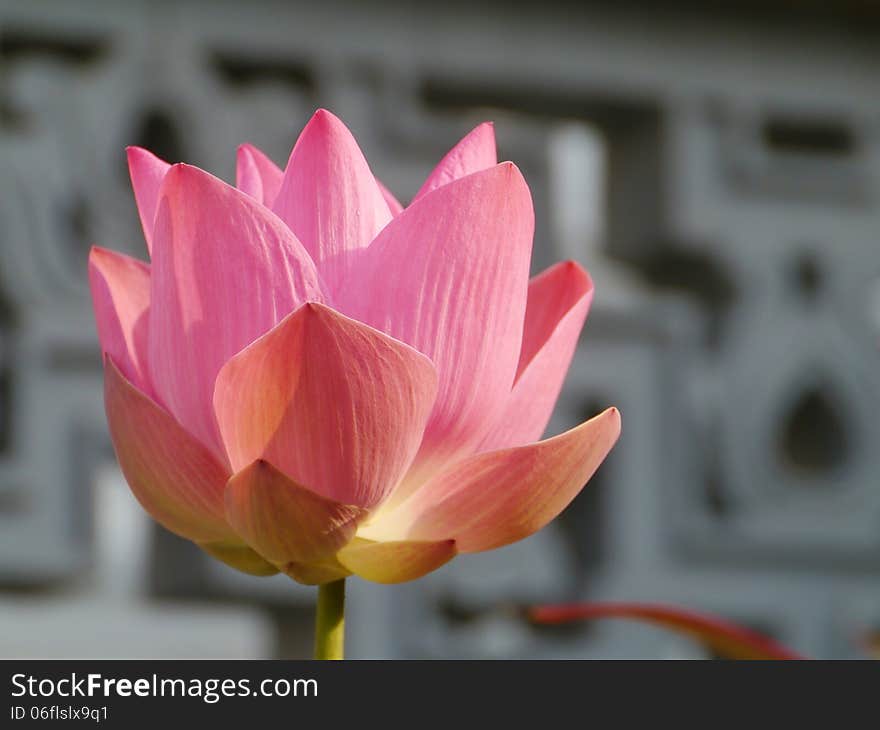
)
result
[(97, 252), (612, 414), (510, 169), (103, 254), (475, 152), (181, 168), (574, 267), (136, 154), (147, 171), (484, 129), (251, 150), (174, 175), (506, 173), (181, 174), (325, 121), (324, 114), (243, 151), (329, 197), (577, 276), (608, 422)]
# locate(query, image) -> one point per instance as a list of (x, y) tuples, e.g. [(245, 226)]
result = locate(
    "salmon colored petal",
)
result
[(460, 260), (725, 638), (329, 197), (284, 521), (240, 557), (475, 151), (331, 402), (499, 497), (147, 173), (394, 205), (257, 175), (120, 288), (225, 271), (559, 299), (174, 477), (395, 562)]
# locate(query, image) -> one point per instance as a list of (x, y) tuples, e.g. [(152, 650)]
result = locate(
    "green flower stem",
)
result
[(330, 621)]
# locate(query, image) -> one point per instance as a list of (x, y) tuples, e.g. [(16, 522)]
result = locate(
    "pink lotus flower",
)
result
[(309, 378)]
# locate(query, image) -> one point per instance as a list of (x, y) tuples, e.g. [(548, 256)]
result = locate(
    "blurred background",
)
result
[(717, 171)]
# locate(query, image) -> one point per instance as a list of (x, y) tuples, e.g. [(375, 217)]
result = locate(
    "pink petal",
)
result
[(120, 288), (331, 402), (176, 479), (460, 259), (283, 521), (559, 299), (329, 197), (257, 175), (394, 205), (499, 497), (225, 270), (147, 173), (474, 152), (395, 562)]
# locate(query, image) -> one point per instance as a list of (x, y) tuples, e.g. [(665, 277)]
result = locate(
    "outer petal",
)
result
[(394, 205), (474, 152), (499, 497), (225, 271), (121, 297), (460, 259), (312, 574), (257, 175), (147, 173), (176, 479), (559, 299), (331, 402), (240, 557), (395, 562), (329, 197), (285, 522)]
